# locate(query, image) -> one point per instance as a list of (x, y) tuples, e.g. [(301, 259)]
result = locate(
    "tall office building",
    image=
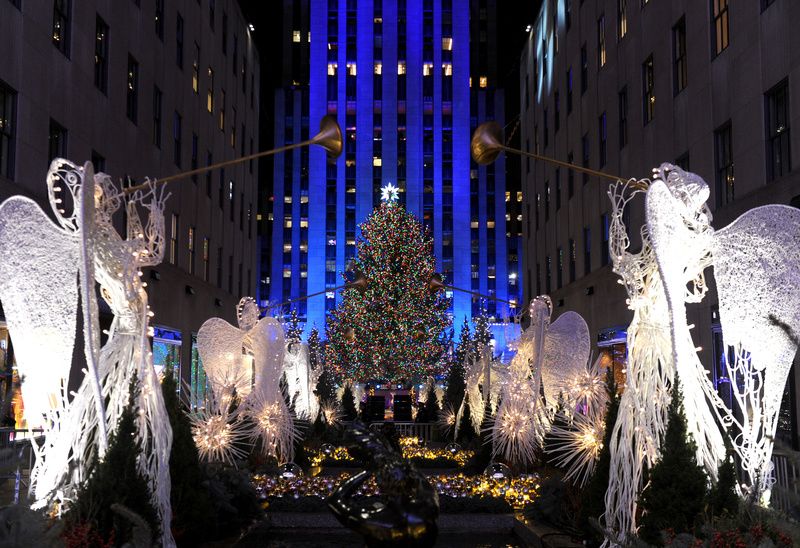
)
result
[(621, 87), (399, 77), (144, 89)]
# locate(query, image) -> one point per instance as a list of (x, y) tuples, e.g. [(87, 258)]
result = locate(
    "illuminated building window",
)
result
[(719, 28), (210, 98), (376, 161), (205, 259), (296, 36), (401, 67), (196, 69), (427, 69), (61, 25), (622, 18), (287, 273), (447, 43), (191, 250), (351, 69), (648, 90), (173, 243), (601, 41), (332, 69), (378, 68), (287, 247), (519, 195), (447, 69), (287, 199), (484, 82)]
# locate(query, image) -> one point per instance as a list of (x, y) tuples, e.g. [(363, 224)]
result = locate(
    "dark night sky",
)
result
[(513, 16)]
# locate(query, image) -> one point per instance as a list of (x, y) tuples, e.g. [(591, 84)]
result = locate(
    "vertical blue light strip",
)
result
[(317, 163), (461, 139)]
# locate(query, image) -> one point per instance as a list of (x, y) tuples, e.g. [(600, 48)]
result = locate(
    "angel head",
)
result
[(247, 313), (687, 187), (540, 304), (107, 198)]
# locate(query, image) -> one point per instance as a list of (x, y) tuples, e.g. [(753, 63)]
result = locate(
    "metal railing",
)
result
[(16, 457), (421, 430), (786, 491)]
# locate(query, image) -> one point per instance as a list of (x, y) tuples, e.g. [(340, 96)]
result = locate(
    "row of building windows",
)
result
[(720, 26), (572, 258), (778, 164), (205, 258), (778, 157)]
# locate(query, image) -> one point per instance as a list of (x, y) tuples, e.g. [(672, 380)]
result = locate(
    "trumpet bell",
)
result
[(359, 282), (436, 283), (329, 137), (487, 142)]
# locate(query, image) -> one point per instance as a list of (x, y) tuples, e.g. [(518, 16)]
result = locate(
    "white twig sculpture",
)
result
[(551, 357), (756, 262), (301, 380), (243, 366), (77, 430), (642, 417)]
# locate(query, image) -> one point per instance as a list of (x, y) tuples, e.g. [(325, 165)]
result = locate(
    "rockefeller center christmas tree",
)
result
[(395, 329)]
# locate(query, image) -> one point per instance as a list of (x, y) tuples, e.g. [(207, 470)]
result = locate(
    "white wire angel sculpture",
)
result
[(642, 417), (39, 295), (243, 366), (756, 261), (550, 357), (301, 380)]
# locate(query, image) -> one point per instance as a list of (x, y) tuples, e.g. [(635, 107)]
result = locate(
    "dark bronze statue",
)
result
[(406, 512)]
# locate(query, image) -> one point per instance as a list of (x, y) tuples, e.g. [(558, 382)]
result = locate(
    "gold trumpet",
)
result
[(487, 144), (329, 138)]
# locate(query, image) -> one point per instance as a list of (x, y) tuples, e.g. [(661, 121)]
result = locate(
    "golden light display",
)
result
[(412, 448), (517, 492)]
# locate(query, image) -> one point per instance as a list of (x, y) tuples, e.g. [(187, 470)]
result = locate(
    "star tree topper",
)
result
[(390, 193)]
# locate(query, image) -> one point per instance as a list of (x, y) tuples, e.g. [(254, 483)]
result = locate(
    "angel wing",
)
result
[(682, 241), (756, 265), (39, 292), (566, 354), (267, 342), (221, 347)]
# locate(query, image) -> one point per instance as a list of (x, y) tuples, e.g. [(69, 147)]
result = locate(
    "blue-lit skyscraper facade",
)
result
[(397, 75)]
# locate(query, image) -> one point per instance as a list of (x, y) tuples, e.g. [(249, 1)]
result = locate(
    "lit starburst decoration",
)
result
[(272, 425), (390, 193), (519, 423), (576, 445), (447, 420), (330, 414), (219, 437), (587, 391)]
